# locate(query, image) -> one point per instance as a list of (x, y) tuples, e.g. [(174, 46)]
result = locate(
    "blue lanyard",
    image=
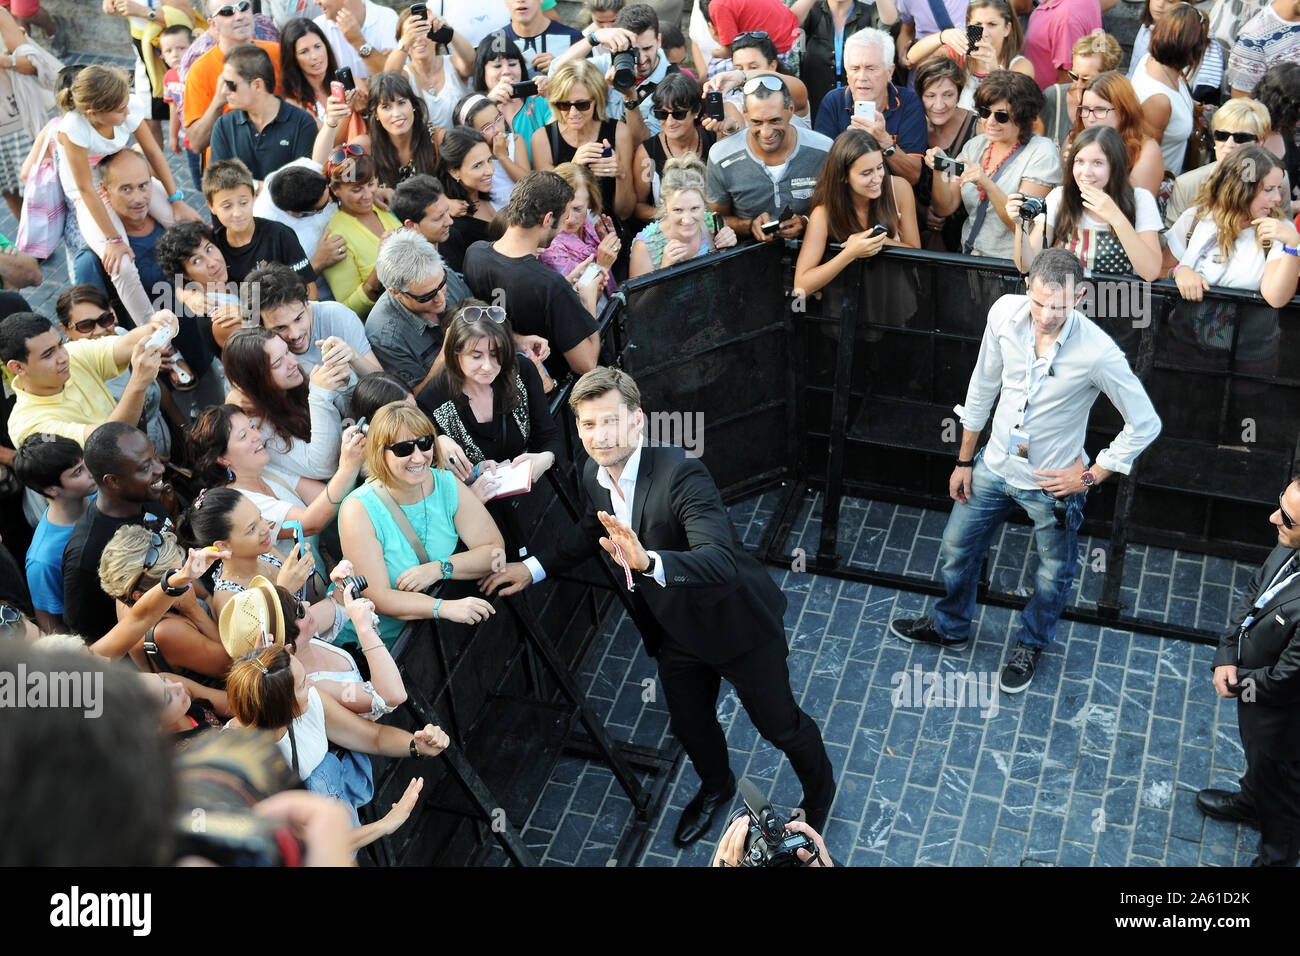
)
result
[(1272, 589)]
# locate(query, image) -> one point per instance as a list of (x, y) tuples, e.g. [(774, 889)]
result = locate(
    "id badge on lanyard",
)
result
[(1017, 437)]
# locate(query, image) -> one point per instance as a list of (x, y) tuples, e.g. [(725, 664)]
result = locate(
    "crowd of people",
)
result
[(328, 353)]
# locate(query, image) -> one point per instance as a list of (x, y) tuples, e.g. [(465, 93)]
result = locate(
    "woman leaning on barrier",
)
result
[(1096, 213), (1237, 237), (683, 229), (401, 527), (855, 195)]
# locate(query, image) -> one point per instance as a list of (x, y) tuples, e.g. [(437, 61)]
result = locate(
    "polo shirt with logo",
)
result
[(289, 136), (903, 112)]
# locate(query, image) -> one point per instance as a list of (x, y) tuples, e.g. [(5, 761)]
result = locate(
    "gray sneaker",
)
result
[(1019, 672)]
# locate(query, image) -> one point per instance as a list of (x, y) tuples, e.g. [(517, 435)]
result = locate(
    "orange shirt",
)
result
[(201, 81)]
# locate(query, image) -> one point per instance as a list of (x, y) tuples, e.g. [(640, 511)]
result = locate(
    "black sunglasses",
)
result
[(1222, 136), (9, 619), (243, 6), (105, 320), (428, 296), (1287, 521), (405, 449), (150, 558), (756, 34), (1002, 116), (677, 114), (231, 85)]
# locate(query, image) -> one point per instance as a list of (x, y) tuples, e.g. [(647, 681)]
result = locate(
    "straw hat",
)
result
[(252, 619)]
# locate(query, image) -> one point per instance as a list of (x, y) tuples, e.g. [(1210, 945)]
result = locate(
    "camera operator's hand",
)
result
[(615, 39), (732, 845), (1014, 202), (512, 578), (824, 858), (197, 562), (297, 569)]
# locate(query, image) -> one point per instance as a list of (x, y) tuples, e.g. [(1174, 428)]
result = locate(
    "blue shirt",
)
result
[(45, 564), (904, 117)]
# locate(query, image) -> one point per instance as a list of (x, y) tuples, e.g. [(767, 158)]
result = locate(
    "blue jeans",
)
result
[(966, 538)]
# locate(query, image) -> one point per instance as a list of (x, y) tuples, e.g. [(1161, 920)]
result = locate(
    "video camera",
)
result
[(769, 843)]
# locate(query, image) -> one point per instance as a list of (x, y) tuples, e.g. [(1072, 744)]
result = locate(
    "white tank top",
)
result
[(1173, 145), (309, 733)]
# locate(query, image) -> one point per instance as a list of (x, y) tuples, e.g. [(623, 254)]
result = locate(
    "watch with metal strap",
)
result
[(1088, 478), (365, 50)]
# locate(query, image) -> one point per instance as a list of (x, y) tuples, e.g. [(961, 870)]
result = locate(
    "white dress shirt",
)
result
[(621, 496), (379, 30), (1065, 382)]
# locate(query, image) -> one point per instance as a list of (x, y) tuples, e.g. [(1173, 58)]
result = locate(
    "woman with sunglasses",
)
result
[(440, 80), (1006, 158), (186, 640), (1109, 100), (1091, 56), (855, 193), (1178, 43), (498, 67), (509, 158), (307, 64), (1096, 214), (466, 171), (678, 105), (1238, 122), (999, 46), (1206, 78), (297, 416), (585, 234), (493, 406), (581, 134), (84, 313), (360, 223), (407, 476), (683, 229), (398, 133)]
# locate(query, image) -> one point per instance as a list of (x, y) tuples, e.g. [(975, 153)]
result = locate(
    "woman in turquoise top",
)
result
[(682, 230), (406, 470)]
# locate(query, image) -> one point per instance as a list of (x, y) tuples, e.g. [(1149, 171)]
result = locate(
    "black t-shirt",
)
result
[(464, 232), (538, 300), (87, 610), (271, 242)]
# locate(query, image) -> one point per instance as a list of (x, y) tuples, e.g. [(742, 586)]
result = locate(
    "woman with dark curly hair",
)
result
[(1006, 158)]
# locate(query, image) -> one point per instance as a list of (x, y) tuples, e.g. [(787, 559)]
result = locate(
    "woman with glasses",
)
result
[(678, 104), (581, 134), (402, 557), (398, 133), (360, 223), (1096, 214), (586, 235), (683, 229), (999, 46), (493, 406), (85, 313), (509, 158), (440, 80), (1006, 158), (938, 83), (1178, 43), (466, 171), (307, 66), (1091, 56), (1206, 78), (1238, 122), (186, 640), (498, 67), (1110, 100)]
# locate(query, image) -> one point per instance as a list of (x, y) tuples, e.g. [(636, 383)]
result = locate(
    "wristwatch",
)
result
[(591, 39), (365, 50), (893, 148), (652, 566), (448, 569), (965, 464), (1088, 479)]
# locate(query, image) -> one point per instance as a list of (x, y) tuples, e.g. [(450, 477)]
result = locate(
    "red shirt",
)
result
[(737, 16)]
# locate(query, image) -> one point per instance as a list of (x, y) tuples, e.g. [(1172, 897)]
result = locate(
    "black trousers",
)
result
[(1272, 787), (762, 682)]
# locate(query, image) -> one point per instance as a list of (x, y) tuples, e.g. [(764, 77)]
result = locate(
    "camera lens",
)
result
[(625, 69), (1032, 208), (356, 583)]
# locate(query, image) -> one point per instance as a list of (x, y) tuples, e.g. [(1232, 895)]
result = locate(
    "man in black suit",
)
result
[(706, 609), (1258, 662)]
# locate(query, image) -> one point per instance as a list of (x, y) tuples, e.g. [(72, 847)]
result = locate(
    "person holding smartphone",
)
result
[(682, 231)]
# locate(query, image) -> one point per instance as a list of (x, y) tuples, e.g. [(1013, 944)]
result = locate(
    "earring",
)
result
[(230, 475)]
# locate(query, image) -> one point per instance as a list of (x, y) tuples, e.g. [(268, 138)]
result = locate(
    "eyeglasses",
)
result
[(1287, 521), (767, 81), (677, 114), (405, 449), (756, 34), (1095, 112), (472, 313), (105, 320), (488, 127), (229, 10), (428, 296), (1001, 116), (580, 105), (341, 155), (1222, 136)]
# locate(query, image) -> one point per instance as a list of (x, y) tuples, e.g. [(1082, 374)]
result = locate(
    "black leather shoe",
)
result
[(698, 815), (1225, 805)]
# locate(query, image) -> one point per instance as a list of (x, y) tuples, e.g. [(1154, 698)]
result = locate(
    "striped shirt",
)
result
[(1265, 40)]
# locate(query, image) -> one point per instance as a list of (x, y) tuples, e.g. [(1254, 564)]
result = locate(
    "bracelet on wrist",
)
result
[(436, 604), (966, 464), (114, 239)]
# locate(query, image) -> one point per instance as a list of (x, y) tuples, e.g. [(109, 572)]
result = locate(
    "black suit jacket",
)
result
[(1268, 654), (719, 602)]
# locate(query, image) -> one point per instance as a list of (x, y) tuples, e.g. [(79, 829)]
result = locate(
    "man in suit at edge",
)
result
[(1258, 662), (706, 608)]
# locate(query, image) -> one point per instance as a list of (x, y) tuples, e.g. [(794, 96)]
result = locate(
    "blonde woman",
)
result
[(684, 228), (1091, 56), (585, 234), (1238, 122), (581, 133)]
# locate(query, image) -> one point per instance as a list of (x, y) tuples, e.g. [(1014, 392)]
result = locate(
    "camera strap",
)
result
[(940, 13), (293, 749), (983, 210)]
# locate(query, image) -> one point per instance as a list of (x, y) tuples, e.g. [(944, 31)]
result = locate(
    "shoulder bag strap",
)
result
[(152, 653), (940, 14), (293, 750), (983, 210), (403, 523)]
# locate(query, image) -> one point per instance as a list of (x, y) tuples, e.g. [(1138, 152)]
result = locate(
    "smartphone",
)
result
[(879, 229), (772, 225), (363, 426), (344, 75), (337, 91), (297, 535), (865, 108), (974, 33), (946, 164), (713, 222), (590, 274), (523, 90), (420, 10), (713, 105)]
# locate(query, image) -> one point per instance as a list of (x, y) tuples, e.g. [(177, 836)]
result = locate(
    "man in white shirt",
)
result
[(361, 33), (473, 19), (1049, 362), (297, 195)]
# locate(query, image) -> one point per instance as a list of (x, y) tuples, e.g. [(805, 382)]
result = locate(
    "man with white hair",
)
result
[(895, 117), (404, 327)]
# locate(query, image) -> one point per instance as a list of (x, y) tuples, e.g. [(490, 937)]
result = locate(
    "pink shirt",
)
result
[(736, 16), (1054, 27)]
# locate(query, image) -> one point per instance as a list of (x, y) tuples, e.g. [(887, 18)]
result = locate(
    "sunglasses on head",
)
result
[(580, 105), (1222, 136), (1002, 116), (678, 114), (229, 10), (472, 313), (767, 81), (428, 296), (150, 557), (105, 320), (756, 34), (341, 156), (9, 619), (1287, 521), (405, 449)]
